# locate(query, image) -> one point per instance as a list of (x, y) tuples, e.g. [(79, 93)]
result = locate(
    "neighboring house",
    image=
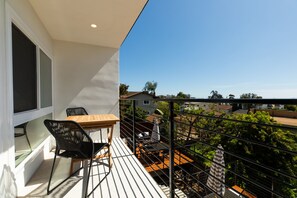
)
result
[(225, 108), (270, 106), (198, 105), (142, 99), (52, 58), (207, 106), (241, 111)]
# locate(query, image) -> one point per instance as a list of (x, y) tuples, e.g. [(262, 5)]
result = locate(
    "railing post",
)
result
[(133, 125), (171, 149)]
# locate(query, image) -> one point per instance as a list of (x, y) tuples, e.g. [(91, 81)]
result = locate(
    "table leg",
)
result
[(85, 179), (110, 133), (101, 135)]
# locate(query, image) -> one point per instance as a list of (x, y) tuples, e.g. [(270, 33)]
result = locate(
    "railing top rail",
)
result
[(240, 101)]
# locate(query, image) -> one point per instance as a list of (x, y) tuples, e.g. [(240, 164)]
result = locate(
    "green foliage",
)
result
[(266, 135), (164, 107), (249, 96), (123, 89), (140, 114), (182, 95), (241, 138), (150, 87), (291, 107)]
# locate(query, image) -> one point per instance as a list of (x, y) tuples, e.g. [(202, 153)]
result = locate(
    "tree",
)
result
[(249, 96), (150, 87), (235, 106), (215, 95), (291, 107), (250, 141), (183, 95), (123, 89), (231, 96), (140, 114)]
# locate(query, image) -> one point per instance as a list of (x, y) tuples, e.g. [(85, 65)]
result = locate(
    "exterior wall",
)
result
[(139, 103), (86, 76), (7, 181), (25, 17), (21, 14), (83, 75)]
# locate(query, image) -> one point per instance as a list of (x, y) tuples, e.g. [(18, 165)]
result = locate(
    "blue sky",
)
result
[(196, 46)]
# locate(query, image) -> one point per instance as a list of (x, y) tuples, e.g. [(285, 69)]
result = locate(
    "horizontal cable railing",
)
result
[(215, 147)]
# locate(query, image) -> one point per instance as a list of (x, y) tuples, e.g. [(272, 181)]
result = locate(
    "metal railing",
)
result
[(259, 151)]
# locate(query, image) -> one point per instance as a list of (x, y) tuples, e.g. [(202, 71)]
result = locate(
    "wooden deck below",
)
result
[(179, 159)]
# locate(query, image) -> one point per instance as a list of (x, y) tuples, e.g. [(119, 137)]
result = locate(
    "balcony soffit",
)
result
[(70, 20)]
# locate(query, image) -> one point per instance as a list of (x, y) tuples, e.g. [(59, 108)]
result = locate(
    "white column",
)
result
[(7, 182)]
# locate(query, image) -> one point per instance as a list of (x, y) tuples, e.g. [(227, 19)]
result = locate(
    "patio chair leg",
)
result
[(52, 171), (50, 179), (109, 169), (88, 178)]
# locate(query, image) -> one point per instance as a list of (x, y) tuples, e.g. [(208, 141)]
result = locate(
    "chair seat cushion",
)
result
[(85, 152)]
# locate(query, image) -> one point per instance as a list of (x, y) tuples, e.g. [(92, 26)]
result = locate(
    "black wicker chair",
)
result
[(73, 142), (76, 111)]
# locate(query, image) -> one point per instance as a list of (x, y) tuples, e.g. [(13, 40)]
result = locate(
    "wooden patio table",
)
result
[(97, 121)]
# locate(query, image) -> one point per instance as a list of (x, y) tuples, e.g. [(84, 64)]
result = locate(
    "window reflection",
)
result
[(28, 136)]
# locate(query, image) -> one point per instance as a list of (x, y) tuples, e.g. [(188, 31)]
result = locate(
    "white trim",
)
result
[(19, 118), (13, 17), (34, 152), (22, 117), (9, 86), (25, 170)]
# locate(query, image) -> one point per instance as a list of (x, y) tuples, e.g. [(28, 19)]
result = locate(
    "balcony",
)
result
[(258, 144), (127, 178), (259, 152)]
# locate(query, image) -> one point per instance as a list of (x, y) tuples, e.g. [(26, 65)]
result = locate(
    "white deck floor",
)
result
[(127, 178)]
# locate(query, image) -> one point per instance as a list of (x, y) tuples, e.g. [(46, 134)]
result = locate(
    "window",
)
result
[(24, 72), (28, 136), (146, 102), (45, 80)]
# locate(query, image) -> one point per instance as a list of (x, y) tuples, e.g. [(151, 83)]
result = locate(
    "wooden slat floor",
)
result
[(127, 179), (179, 159)]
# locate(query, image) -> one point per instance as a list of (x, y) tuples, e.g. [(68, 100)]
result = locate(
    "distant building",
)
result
[(270, 106), (207, 106), (197, 105), (143, 99), (225, 108)]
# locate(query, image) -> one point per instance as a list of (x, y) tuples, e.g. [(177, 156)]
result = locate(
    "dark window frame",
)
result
[(24, 63)]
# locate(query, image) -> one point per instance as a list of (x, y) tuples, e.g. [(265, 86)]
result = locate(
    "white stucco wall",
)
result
[(7, 181), (86, 76), (83, 75), (22, 14), (26, 19)]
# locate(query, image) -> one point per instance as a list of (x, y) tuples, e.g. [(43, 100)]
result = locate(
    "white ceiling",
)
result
[(70, 20)]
